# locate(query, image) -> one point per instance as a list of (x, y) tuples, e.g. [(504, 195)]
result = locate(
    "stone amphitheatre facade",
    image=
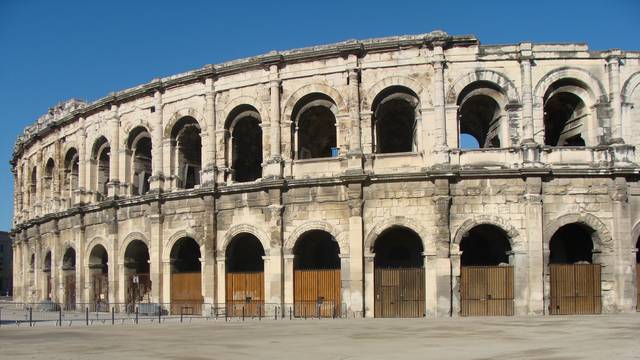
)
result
[(336, 175)]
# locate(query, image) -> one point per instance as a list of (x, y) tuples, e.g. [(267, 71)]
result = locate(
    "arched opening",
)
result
[(69, 278), (99, 270), (136, 267), (316, 275), (399, 282), (139, 160), (48, 183), (101, 164), (245, 276), (187, 152), (186, 279), (46, 270), (396, 112), (566, 116), (480, 115), (486, 278), (72, 172), (314, 121), (575, 280), (244, 138), (34, 186)]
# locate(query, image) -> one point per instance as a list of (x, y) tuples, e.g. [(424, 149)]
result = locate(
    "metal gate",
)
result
[(317, 293), (139, 291), (399, 293), (70, 292), (100, 284), (245, 293), (486, 291), (186, 293), (575, 289)]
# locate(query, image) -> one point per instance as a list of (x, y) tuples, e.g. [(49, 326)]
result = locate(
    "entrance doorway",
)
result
[(245, 276), (186, 278)]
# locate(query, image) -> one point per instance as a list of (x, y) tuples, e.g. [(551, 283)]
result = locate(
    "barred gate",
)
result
[(136, 292), (575, 289), (70, 292), (186, 294), (399, 293), (100, 283), (245, 293), (486, 291), (317, 293)]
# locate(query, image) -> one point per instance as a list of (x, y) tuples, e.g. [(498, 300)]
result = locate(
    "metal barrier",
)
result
[(87, 314)]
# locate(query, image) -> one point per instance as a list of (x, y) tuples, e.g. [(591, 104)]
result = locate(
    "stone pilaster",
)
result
[(274, 165), (369, 286), (273, 276), (156, 182), (355, 274), (210, 245), (534, 246), (209, 158), (441, 149), (526, 58), (623, 247), (113, 186), (615, 100), (445, 280), (156, 224), (221, 263), (354, 155)]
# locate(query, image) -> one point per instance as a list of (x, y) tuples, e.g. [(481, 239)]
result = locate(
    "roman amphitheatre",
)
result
[(424, 176)]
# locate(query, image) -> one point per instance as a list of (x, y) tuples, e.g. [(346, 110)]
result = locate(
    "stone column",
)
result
[(345, 285), (518, 259), (37, 206), (113, 269), (209, 160), (354, 155), (355, 302), (165, 280), (613, 65), (455, 283), (210, 244), (84, 167), (156, 221), (121, 281), (288, 280), (445, 280), (526, 91), (274, 277), (623, 247), (221, 263), (534, 246), (55, 270), (369, 287), (114, 143), (16, 271), (441, 150), (430, 284), (274, 165), (157, 178), (80, 239)]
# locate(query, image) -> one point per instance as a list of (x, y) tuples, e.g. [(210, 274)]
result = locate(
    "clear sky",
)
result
[(54, 50)]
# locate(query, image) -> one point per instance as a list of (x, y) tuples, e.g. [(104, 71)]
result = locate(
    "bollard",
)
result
[(30, 316), (159, 314), (318, 311), (136, 315), (0, 316), (180, 314), (290, 317), (259, 313), (113, 315), (60, 316), (243, 313), (87, 315), (275, 317)]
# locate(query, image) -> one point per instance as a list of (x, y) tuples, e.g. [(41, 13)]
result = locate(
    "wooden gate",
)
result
[(245, 292), (486, 291), (399, 293), (317, 293), (186, 294), (138, 292), (638, 287), (70, 292), (100, 284), (575, 289)]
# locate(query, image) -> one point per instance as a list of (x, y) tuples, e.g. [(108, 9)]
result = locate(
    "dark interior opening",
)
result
[(136, 257), (394, 114), (316, 250), (185, 256), (485, 245), (316, 126), (398, 248), (98, 259), (247, 149), (186, 137), (571, 244), (564, 114), (244, 254)]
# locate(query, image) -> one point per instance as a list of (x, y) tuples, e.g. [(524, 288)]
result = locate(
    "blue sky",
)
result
[(55, 50)]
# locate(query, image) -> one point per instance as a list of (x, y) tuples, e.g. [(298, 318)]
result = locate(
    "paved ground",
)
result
[(608, 337)]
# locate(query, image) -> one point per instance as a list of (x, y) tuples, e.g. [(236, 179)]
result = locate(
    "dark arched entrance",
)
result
[(99, 269), (575, 280), (46, 269), (69, 279), (136, 267), (486, 278), (399, 283), (316, 275), (186, 278), (245, 276)]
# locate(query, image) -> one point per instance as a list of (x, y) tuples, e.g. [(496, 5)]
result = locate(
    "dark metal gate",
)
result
[(317, 293), (245, 293), (575, 289), (70, 292), (486, 291), (100, 284), (186, 293), (138, 290), (399, 293)]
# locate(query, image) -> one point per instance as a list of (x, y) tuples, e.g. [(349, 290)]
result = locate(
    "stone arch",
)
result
[(500, 80), (68, 146), (132, 236), (635, 234), (601, 236), (173, 239), (399, 221), (310, 89), (512, 233), (98, 240), (65, 246), (179, 114), (126, 131), (297, 233), (403, 81), (593, 86), (630, 86), (238, 229), (241, 100)]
